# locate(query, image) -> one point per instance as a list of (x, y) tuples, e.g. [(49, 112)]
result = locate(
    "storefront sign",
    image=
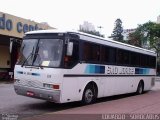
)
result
[(7, 24), (16, 27)]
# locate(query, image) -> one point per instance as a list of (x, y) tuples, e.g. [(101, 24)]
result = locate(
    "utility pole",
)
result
[(100, 28)]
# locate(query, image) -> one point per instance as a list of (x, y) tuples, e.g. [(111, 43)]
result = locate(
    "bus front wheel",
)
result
[(89, 95)]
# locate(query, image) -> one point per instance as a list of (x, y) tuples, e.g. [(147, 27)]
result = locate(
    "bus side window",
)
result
[(123, 57), (86, 52), (108, 55), (119, 57), (95, 53), (152, 61), (91, 52), (135, 59)]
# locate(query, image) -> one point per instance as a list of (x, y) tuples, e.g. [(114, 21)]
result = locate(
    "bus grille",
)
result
[(30, 83)]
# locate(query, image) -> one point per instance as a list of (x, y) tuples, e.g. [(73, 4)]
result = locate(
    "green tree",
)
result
[(147, 34), (117, 31), (153, 36), (135, 39), (91, 32)]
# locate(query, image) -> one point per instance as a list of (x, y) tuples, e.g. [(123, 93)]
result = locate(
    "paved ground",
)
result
[(12, 106), (127, 107)]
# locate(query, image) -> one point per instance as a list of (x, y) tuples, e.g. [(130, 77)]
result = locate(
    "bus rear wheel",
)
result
[(140, 88), (89, 95)]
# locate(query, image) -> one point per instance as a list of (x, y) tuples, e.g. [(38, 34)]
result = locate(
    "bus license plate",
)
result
[(29, 93)]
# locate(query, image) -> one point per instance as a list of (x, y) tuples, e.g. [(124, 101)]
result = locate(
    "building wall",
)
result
[(4, 57), (126, 33), (87, 26), (15, 26), (158, 19)]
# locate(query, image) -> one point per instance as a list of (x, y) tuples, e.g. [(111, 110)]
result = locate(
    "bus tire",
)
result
[(89, 95), (140, 88)]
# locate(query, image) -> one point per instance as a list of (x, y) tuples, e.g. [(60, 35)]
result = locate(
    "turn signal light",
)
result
[(56, 87)]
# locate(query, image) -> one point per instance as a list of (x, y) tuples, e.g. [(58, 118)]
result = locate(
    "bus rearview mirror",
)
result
[(69, 49)]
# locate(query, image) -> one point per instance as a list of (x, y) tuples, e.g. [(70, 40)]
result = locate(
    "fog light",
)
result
[(17, 80), (50, 97)]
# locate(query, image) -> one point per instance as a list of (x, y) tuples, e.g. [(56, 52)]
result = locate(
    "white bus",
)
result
[(73, 66)]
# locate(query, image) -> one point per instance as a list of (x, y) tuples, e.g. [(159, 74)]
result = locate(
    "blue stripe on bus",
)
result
[(28, 73), (35, 74), (143, 71), (95, 69), (20, 72)]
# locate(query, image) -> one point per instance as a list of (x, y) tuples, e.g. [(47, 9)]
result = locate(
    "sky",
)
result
[(69, 14)]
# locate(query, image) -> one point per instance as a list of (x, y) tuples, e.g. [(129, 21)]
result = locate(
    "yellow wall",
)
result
[(4, 57), (13, 26), (9, 21)]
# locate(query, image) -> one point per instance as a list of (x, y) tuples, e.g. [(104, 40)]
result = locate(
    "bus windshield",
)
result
[(41, 52)]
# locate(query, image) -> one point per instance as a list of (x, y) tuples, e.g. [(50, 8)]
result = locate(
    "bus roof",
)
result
[(100, 40)]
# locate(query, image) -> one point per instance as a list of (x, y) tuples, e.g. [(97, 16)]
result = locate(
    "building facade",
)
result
[(87, 26), (12, 28), (158, 19), (126, 33)]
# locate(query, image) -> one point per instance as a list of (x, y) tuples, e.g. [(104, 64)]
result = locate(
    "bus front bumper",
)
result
[(49, 95)]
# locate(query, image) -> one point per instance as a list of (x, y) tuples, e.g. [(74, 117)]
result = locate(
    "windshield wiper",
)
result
[(22, 48), (36, 57), (29, 56), (40, 61)]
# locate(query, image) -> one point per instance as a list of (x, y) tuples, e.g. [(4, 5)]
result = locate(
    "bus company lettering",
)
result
[(114, 70)]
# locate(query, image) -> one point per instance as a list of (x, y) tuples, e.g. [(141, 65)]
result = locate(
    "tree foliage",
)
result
[(147, 33), (117, 31), (135, 39), (153, 37), (92, 32)]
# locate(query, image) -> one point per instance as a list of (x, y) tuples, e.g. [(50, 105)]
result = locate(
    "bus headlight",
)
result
[(45, 85), (16, 80)]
